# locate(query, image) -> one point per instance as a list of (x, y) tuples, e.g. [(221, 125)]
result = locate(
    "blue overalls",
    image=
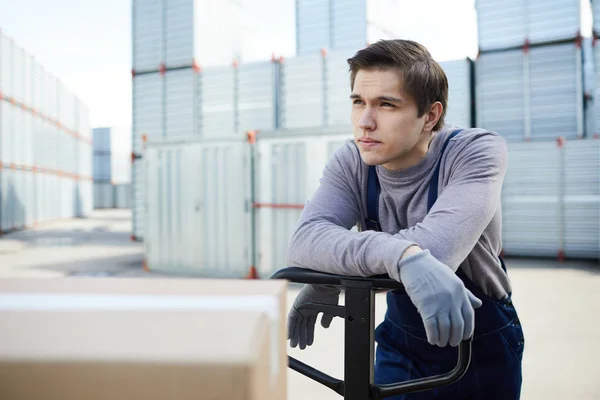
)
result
[(403, 352)]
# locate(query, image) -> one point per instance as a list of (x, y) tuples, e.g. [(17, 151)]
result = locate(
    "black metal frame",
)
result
[(359, 315)]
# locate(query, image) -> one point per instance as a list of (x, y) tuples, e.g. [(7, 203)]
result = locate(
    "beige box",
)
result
[(121, 338)]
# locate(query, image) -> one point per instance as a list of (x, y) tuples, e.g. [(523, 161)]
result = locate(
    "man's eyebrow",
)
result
[(382, 98)]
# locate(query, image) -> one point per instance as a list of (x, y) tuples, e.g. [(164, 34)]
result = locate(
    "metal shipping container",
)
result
[(257, 95), (531, 95), (122, 195), (288, 169), (589, 82), (512, 23), (148, 28), (337, 89), (103, 195), (148, 109), (302, 92), (217, 88), (344, 24), (181, 103), (198, 218), (460, 99), (138, 198)]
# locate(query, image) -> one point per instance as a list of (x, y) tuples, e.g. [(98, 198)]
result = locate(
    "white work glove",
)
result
[(444, 303), (301, 323)]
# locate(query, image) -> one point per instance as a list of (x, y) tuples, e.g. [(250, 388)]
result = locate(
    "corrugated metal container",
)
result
[(589, 81), (506, 24), (181, 103), (531, 200), (102, 168), (122, 195), (85, 197), (217, 88), (337, 89), (148, 109), (112, 155), (302, 92), (536, 95), (195, 30), (257, 95), (103, 195), (5, 65), (582, 198), (460, 99), (148, 28), (287, 172), (595, 17), (67, 116), (344, 24), (313, 26), (198, 218), (500, 83), (138, 198)]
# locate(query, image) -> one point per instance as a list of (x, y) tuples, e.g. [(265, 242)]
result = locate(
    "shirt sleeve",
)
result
[(468, 201), (323, 239)]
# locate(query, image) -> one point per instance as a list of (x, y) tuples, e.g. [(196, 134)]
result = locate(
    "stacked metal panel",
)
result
[(217, 86), (198, 219), (343, 24), (42, 144), (589, 82), (460, 99), (337, 89), (287, 172), (181, 103), (183, 33), (551, 199), (512, 23), (257, 95), (112, 163), (533, 93), (302, 92)]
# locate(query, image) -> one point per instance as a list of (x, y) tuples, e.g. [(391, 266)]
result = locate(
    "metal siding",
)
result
[(179, 33), (27, 139), (302, 87), (556, 97), (582, 198), (67, 108), (458, 73), (596, 16), (102, 170), (101, 139), (103, 195), (500, 24), (138, 209), (198, 222), (500, 85), (217, 88), (256, 96), (550, 20), (5, 65), (337, 89), (313, 26), (596, 91), (148, 109), (6, 122), (531, 200), (27, 79), (180, 103), (18, 73), (349, 24), (148, 30), (589, 81), (287, 173), (122, 195)]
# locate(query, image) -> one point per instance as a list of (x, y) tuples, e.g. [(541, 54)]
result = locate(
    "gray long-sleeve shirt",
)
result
[(462, 229)]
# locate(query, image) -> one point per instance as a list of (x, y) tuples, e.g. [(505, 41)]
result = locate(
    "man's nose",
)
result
[(367, 120)]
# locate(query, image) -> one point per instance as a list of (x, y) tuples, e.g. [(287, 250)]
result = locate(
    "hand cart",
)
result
[(359, 315)]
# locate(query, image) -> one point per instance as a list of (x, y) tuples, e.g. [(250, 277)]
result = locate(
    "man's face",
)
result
[(386, 127)]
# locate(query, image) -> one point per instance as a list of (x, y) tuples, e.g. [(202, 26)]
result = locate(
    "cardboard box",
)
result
[(120, 338)]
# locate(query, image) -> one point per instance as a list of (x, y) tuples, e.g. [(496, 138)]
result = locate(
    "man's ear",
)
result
[(433, 116)]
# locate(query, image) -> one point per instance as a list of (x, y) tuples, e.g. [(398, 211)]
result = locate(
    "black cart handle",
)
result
[(307, 276)]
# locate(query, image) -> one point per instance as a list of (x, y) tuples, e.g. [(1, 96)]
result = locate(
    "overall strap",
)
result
[(433, 186)]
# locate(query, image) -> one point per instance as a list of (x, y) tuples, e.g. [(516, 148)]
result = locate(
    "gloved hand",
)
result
[(301, 323), (444, 303)]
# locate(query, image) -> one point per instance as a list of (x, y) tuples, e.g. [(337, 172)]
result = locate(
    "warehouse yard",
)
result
[(558, 303)]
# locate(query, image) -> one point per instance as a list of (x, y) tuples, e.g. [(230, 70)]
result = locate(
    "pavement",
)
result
[(558, 303)]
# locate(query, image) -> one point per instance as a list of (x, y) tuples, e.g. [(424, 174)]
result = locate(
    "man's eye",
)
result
[(356, 101), (386, 104)]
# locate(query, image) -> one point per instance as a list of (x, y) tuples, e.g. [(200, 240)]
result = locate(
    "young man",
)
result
[(439, 232)]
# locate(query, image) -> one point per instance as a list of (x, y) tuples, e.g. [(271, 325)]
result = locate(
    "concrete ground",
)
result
[(558, 303)]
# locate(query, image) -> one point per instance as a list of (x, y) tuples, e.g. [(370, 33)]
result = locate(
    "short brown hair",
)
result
[(423, 77)]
